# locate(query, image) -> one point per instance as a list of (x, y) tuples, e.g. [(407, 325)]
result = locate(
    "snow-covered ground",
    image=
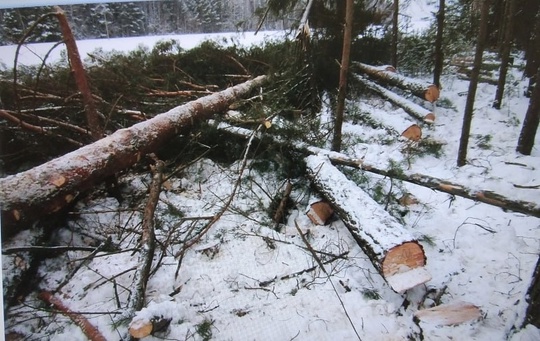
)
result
[(246, 281)]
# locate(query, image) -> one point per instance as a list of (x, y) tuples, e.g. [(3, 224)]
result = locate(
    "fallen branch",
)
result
[(36, 129), (394, 252), (88, 329), (384, 74), (148, 243), (51, 186), (480, 195)]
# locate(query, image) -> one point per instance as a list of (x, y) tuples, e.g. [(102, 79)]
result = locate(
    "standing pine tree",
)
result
[(469, 105)]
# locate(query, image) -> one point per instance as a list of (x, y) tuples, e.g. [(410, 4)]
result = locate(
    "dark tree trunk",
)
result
[(469, 105), (505, 52), (439, 55), (533, 298), (344, 70), (530, 123), (532, 55), (395, 32)]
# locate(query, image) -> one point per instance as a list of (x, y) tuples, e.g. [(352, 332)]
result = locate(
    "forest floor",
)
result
[(247, 281)]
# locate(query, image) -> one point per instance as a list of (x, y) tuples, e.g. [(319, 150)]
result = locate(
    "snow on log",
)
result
[(319, 212), (449, 314), (424, 90), (53, 185), (392, 249), (401, 124), (441, 185), (410, 108)]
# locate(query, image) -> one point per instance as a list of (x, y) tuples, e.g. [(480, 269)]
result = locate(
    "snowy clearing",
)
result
[(247, 281)]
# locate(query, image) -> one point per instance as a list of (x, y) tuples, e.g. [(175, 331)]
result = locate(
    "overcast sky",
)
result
[(33, 3)]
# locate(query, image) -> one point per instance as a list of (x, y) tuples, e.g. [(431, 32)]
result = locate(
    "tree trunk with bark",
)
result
[(343, 73), (439, 54), (532, 117), (411, 108), (531, 121), (395, 32), (79, 73), (392, 249), (53, 185), (533, 298), (505, 52), (388, 75), (473, 84), (476, 194)]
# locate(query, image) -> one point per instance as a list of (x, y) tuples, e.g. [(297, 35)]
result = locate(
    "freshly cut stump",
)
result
[(394, 252)]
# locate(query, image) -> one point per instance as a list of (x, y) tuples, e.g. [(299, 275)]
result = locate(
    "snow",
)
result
[(32, 54), (251, 282)]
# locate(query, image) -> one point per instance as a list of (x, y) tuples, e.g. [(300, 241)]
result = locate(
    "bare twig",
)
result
[(321, 265)]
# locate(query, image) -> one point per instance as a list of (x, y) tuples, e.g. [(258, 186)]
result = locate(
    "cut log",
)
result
[(476, 194), (383, 74), (401, 124), (51, 186), (411, 108), (449, 314), (319, 212), (143, 327), (392, 249)]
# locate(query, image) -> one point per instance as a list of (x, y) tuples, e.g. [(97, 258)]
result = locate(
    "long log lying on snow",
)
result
[(480, 195), (411, 108), (397, 121), (393, 250), (51, 186), (388, 75)]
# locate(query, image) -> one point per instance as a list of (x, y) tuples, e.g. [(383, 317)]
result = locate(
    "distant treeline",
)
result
[(109, 20)]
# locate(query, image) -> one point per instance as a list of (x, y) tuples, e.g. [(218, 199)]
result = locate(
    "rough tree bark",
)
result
[(439, 54), (51, 186), (343, 73), (532, 117), (533, 298), (473, 84), (505, 52), (387, 75), (392, 249), (531, 121), (79, 73), (395, 32)]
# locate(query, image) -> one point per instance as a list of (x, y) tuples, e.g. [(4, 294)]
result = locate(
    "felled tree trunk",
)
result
[(392, 249), (402, 125), (51, 186), (411, 108), (476, 194), (388, 75)]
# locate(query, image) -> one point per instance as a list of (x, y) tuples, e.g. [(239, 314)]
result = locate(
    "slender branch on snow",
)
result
[(226, 205), (321, 265), (88, 329), (148, 243)]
